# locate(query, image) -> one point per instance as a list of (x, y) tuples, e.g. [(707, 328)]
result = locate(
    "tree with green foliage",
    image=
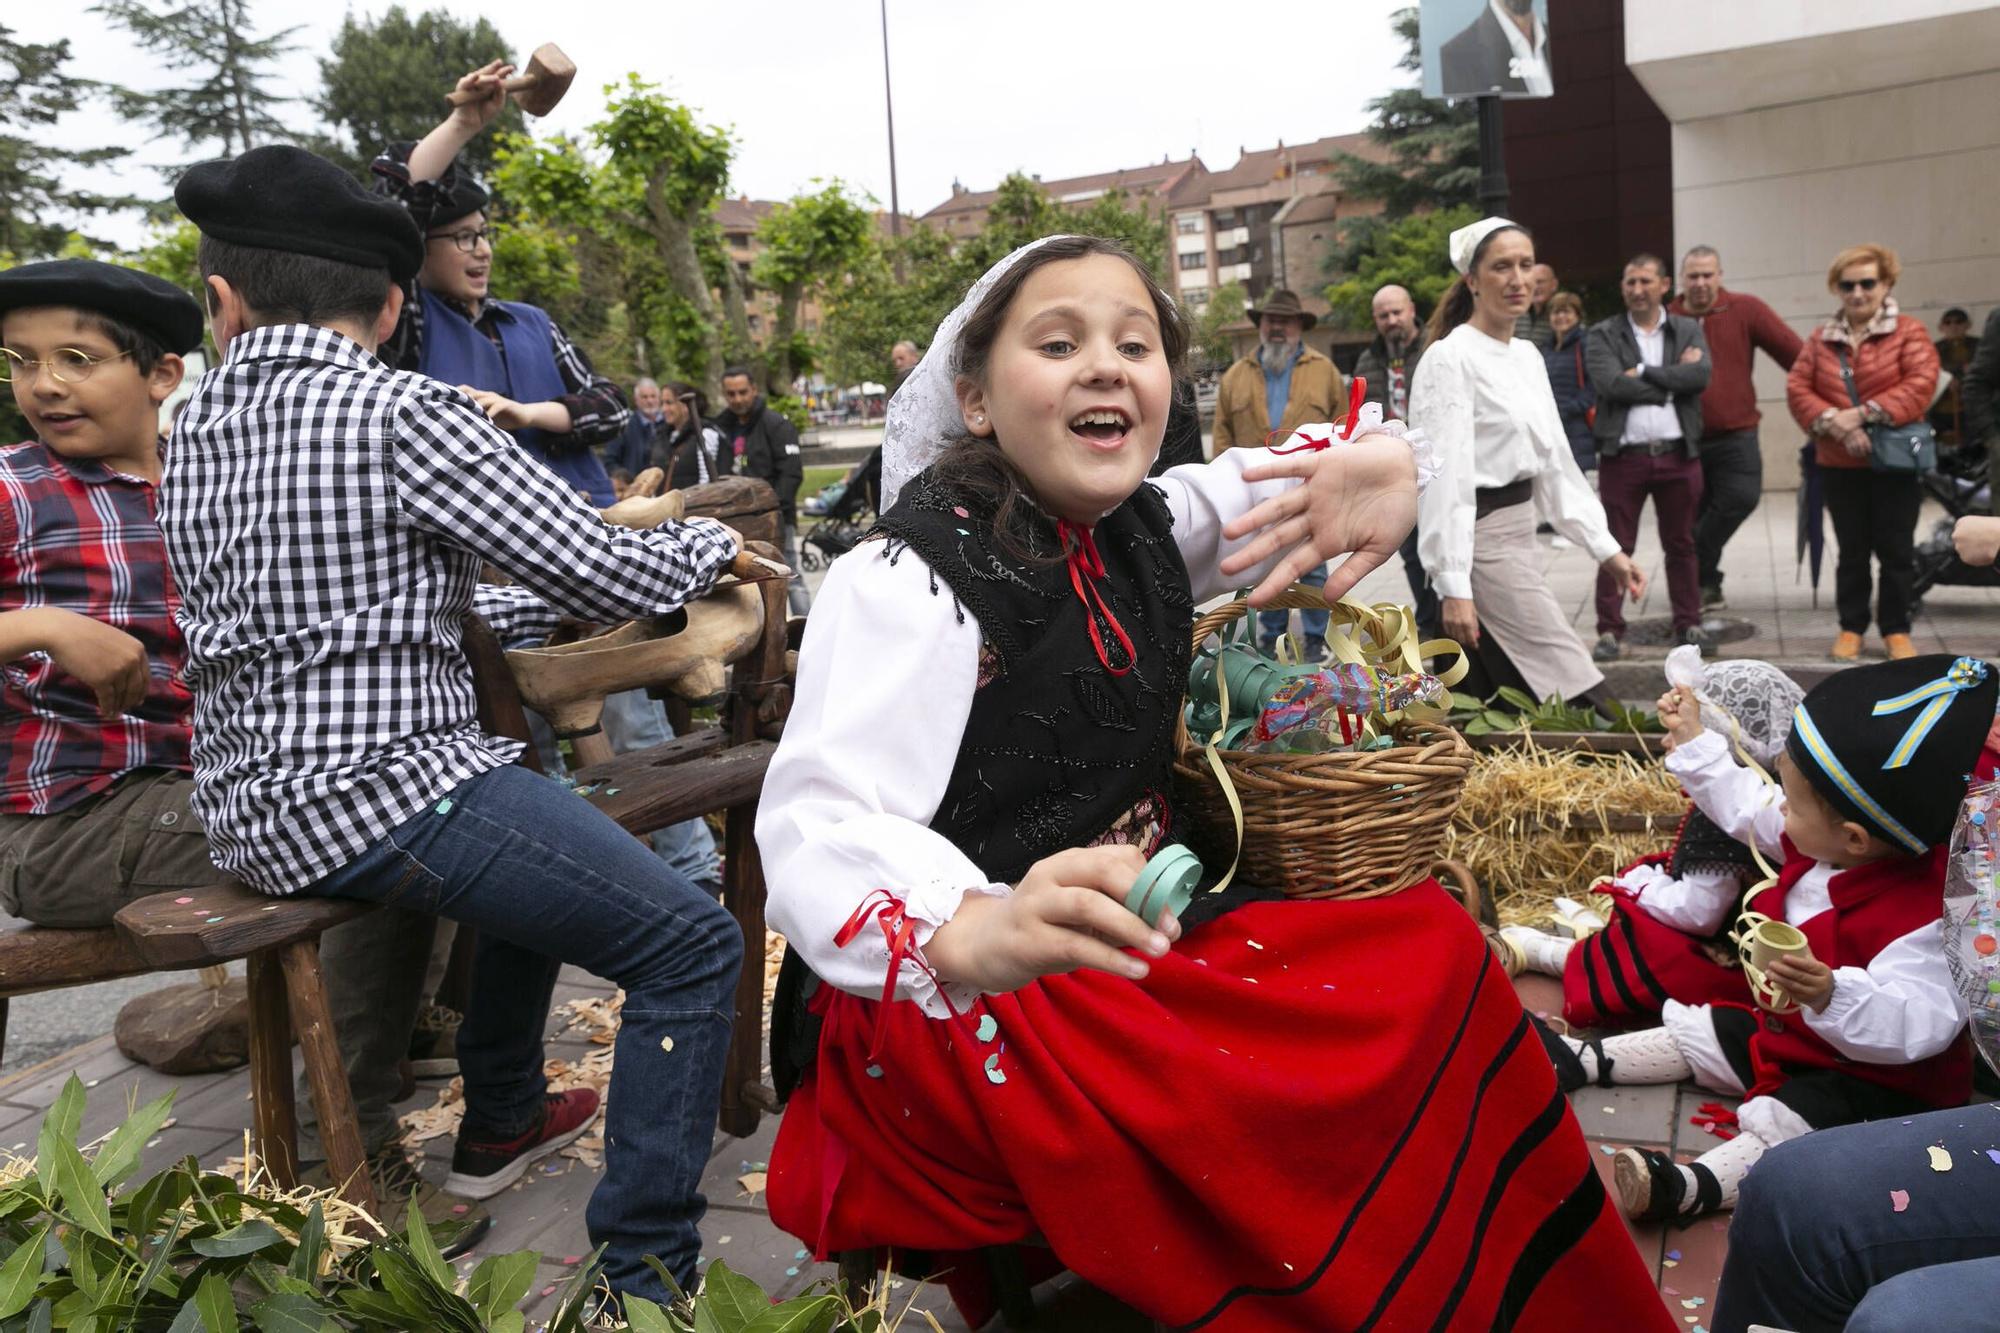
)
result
[(646, 184), (867, 315), (809, 243), (1433, 145), (229, 101), (384, 81), (38, 204), (1433, 162), (1225, 307), (1410, 252)]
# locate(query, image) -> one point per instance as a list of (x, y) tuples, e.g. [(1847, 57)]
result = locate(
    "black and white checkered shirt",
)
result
[(326, 518)]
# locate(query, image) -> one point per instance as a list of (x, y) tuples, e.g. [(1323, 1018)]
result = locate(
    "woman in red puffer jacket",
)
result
[(1895, 371)]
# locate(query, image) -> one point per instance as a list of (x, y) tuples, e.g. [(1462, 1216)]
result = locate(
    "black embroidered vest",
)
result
[(1058, 752)]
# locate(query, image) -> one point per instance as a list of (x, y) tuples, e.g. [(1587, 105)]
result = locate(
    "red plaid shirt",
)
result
[(77, 535)]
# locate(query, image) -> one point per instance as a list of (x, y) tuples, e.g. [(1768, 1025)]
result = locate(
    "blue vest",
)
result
[(523, 367)]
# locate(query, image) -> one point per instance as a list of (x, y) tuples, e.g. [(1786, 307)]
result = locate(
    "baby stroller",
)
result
[(845, 519), (1959, 484)]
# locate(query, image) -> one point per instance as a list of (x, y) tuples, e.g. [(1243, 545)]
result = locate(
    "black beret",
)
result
[(154, 306), (1891, 744), (284, 198), (458, 195)]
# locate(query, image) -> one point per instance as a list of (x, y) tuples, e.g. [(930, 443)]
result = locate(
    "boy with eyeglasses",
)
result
[(515, 361), (94, 717)]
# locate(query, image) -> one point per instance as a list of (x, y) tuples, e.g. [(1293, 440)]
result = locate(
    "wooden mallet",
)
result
[(539, 87)]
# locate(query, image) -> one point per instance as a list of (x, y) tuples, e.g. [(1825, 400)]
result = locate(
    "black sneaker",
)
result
[(434, 1043), (456, 1224), (481, 1168), (1713, 600), (1608, 648), (1695, 636)]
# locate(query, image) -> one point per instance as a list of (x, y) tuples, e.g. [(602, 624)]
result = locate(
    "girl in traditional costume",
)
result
[(1287, 1115)]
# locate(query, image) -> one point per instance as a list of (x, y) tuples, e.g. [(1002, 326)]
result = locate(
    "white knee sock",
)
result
[(1578, 917), (1728, 1163), (1637, 1057), (1545, 953)]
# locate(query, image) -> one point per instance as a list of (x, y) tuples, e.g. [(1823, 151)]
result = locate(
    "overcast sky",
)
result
[(982, 87)]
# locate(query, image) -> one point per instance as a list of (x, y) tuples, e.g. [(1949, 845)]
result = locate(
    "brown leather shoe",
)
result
[(1846, 648), (1899, 646)]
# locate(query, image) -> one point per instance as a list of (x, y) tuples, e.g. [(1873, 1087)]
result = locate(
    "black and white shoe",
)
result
[(1652, 1187)]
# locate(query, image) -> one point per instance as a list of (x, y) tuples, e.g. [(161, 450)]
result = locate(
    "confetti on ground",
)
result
[(724, 1240), (461, 1209), (613, 791), (874, 1071), (572, 1260), (988, 1028), (1670, 1263), (1673, 1254), (1940, 1158), (183, 901), (1899, 1199), (752, 1183), (1611, 1110), (994, 1073), (666, 1043), (548, 1291), (212, 920), (793, 1271)]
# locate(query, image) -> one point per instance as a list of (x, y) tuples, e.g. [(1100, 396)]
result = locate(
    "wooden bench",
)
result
[(279, 940), (718, 768)]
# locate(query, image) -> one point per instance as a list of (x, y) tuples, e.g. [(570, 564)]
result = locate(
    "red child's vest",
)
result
[(1873, 906)]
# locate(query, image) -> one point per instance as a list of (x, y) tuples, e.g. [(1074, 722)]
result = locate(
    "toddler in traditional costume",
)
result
[(1294, 1115), (1667, 937), (1866, 1023)]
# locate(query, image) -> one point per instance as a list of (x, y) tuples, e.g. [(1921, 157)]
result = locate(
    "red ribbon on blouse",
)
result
[(1086, 566), (1307, 444)]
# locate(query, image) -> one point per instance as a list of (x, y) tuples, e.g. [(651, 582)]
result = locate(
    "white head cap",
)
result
[(1466, 240)]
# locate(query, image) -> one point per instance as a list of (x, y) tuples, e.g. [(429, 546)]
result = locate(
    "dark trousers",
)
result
[(1816, 1244), (1624, 480), (1423, 597), (1732, 481), (1874, 514)]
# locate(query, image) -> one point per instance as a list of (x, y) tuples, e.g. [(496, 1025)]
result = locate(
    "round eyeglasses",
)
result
[(66, 364)]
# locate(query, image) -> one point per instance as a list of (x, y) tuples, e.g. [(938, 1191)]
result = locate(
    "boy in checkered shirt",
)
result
[(327, 518), (94, 718)]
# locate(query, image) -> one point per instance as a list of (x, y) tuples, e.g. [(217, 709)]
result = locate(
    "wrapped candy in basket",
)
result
[(1316, 808)]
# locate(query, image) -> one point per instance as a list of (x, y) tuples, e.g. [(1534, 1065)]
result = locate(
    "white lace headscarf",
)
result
[(1758, 695), (923, 416)]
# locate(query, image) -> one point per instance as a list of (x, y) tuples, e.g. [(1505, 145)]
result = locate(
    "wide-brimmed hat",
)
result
[(1283, 304)]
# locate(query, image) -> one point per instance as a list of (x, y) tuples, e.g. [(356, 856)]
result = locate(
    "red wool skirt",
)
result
[(1621, 976), (1310, 1116)]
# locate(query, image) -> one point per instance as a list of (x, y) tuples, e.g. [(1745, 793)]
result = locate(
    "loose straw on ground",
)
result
[(1535, 823)]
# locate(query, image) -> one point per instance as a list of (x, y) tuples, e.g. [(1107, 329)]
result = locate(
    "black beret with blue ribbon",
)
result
[(1891, 744)]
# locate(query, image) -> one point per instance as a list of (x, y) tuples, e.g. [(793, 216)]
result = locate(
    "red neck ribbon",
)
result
[(1086, 566)]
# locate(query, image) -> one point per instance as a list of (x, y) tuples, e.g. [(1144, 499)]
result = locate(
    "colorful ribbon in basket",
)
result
[(1377, 644)]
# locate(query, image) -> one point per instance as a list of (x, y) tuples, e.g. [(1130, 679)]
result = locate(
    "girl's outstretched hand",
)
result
[(1359, 500), (1068, 912)]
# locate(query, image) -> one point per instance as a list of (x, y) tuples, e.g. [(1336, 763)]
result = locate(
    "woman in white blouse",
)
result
[(1483, 398)]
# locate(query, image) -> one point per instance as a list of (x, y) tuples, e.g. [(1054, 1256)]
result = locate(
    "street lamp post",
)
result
[(889, 105)]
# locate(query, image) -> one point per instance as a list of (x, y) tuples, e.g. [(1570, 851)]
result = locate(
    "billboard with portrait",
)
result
[(1484, 48)]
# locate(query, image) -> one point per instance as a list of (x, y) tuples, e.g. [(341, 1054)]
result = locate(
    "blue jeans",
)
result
[(1270, 624), (1816, 1243), (546, 879), (635, 720)]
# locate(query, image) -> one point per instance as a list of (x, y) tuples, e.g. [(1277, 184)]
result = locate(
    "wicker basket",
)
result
[(1342, 825)]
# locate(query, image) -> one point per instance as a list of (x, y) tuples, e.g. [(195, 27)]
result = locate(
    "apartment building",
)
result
[(964, 214)]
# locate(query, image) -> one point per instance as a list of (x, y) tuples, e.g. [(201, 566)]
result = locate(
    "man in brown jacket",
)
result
[(1282, 386)]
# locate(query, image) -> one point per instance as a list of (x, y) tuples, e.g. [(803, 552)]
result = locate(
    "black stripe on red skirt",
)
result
[(1532, 1137), (1555, 1237), (1646, 977), (1319, 1270), (1614, 963)]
